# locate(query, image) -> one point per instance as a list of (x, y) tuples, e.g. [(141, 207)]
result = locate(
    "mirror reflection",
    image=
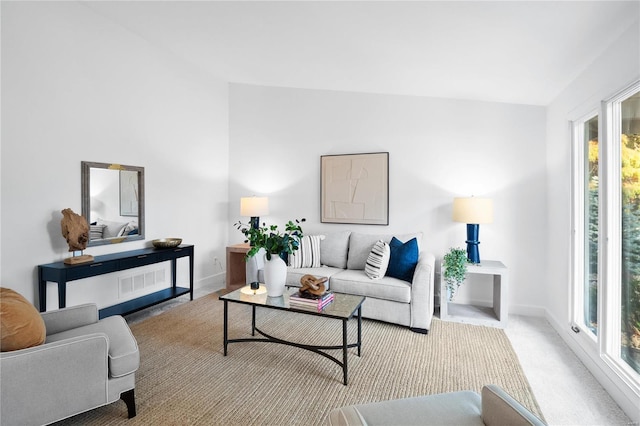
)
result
[(113, 202)]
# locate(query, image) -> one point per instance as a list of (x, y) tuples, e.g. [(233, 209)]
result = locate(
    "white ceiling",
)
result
[(517, 52)]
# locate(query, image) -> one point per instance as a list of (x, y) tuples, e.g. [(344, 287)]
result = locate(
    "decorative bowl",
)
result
[(167, 242)]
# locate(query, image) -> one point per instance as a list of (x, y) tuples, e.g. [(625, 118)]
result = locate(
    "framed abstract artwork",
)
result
[(354, 188), (128, 193)]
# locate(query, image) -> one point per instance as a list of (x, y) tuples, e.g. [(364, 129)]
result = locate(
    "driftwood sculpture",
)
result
[(75, 230)]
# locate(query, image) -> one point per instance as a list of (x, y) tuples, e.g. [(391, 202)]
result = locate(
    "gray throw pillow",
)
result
[(334, 248)]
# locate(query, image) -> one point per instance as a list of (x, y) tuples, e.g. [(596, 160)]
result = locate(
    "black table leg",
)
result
[(226, 340), (42, 291), (174, 273), (359, 329), (191, 275), (62, 294), (344, 351), (253, 321)]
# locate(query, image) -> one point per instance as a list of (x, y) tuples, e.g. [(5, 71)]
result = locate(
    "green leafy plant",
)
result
[(271, 239), (455, 269)]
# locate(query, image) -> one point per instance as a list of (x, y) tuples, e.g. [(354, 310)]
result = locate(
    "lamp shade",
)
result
[(472, 210), (254, 206)]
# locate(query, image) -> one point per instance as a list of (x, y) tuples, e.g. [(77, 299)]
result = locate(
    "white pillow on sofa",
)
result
[(378, 260), (308, 253), (360, 246), (127, 229)]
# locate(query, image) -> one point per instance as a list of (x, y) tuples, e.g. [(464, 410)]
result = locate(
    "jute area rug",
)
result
[(184, 379)]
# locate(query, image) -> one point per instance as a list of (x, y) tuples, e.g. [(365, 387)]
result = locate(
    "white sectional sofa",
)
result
[(342, 258)]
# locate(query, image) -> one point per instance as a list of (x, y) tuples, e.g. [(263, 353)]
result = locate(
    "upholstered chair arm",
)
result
[(422, 287), (68, 318), (64, 377), (254, 264)]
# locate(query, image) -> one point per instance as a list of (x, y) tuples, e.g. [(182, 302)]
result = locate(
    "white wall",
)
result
[(438, 149), (614, 69), (77, 87)]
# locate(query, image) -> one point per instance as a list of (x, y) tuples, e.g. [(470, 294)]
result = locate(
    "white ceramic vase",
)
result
[(275, 275)]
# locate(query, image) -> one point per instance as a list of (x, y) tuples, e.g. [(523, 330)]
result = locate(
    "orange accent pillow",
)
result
[(21, 325)]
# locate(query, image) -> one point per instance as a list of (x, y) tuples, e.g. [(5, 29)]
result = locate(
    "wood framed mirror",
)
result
[(113, 202)]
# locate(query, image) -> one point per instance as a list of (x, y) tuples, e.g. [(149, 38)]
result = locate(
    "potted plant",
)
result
[(455, 270), (275, 244)]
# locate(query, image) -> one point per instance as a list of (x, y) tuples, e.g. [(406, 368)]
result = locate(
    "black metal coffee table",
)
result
[(343, 307)]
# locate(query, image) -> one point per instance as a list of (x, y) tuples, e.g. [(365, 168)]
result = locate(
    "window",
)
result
[(606, 245), (630, 230), (587, 237)]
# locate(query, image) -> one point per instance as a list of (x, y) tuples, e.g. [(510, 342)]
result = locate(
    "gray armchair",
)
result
[(492, 407), (84, 363)]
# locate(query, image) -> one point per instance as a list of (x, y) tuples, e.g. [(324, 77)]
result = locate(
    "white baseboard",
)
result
[(215, 281), (528, 311)]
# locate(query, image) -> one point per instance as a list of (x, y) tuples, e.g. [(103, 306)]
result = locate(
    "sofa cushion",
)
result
[(111, 229), (334, 248), (124, 357), (360, 246), (353, 281), (21, 325), (378, 260), (403, 260), (308, 253)]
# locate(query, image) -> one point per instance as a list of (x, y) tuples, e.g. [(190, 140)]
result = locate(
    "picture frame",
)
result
[(128, 193), (354, 188)]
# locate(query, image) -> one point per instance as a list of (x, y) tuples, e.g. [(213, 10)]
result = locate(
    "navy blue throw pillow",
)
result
[(403, 260)]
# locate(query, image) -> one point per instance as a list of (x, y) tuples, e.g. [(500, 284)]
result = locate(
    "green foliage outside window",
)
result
[(630, 283)]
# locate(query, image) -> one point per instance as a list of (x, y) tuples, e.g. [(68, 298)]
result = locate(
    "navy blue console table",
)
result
[(61, 273)]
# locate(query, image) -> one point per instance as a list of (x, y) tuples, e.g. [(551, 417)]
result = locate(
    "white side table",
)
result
[(495, 316)]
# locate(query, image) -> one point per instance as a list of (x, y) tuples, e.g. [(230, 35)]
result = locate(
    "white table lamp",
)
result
[(254, 207), (473, 211)]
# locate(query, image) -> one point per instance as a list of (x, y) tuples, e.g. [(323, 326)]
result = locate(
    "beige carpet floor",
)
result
[(184, 379)]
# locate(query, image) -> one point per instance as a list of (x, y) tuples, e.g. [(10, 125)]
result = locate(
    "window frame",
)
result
[(610, 342), (579, 240), (606, 344)]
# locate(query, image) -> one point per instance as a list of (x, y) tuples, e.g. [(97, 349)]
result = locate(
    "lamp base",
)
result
[(255, 222), (473, 254)]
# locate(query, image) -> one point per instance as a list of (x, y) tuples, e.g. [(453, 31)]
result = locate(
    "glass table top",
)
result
[(343, 305)]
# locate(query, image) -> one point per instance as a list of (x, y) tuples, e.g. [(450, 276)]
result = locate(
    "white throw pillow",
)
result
[(378, 260), (96, 231), (128, 228), (308, 253)]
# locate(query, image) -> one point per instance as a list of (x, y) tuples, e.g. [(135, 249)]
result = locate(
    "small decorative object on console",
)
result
[(167, 242), (75, 229)]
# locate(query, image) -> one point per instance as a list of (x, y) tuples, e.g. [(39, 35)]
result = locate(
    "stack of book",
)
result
[(308, 300)]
